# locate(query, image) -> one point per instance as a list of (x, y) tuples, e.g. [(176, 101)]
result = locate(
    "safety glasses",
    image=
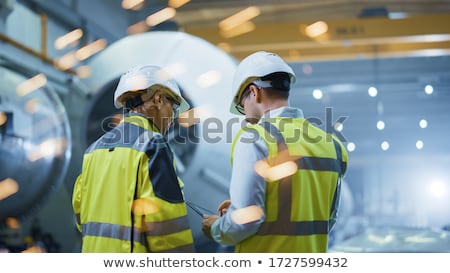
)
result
[(240, 105), (175, 105)]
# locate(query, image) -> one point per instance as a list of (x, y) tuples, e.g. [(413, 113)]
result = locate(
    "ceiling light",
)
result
[(372, 91), (8, 187), (351, 146), (339, 126), (419, 144), (90, 49), (132, 4), (67, 39), (317, 94), (238, 30), (3, 118), (83, 71), (160, 16), (67, 61), (423, 123), (428, 89), (31, 84), (177, 3), (316, 29), (239, 18), (385, 145), (138, 27), (380, 125)]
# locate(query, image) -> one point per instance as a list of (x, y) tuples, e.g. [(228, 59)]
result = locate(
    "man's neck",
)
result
[(275, 105)]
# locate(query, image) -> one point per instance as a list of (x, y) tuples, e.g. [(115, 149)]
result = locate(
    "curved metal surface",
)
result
[(35, 144)]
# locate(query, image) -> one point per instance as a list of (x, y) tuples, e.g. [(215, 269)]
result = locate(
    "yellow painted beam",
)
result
[(345, 39)]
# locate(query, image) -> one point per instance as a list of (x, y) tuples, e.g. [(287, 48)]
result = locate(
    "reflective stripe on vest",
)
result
[(121, 232), (124, 233), (283, 225)]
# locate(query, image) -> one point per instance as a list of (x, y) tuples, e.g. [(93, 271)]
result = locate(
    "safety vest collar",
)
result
[(141, 120)]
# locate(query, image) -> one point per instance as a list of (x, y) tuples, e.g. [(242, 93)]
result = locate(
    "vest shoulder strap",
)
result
[(257, 131)]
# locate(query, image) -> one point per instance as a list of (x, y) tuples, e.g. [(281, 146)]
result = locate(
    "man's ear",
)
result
[(256, 92), (157, 100)]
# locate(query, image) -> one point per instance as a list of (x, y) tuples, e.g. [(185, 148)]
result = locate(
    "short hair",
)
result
[(279, 80)]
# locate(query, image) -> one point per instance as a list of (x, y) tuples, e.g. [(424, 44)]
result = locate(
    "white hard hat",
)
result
[(141, 77), (253, 67)]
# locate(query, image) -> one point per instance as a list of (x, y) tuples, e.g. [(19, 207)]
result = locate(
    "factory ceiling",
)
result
[(298, 30), (355, 28)]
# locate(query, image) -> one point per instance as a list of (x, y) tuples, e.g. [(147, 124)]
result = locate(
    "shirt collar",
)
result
[(285, 112)]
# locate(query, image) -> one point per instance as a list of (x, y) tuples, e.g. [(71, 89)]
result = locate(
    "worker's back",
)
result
[(301, 208)]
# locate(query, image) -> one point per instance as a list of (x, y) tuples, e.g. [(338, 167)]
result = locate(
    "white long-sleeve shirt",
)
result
[(247, 188)]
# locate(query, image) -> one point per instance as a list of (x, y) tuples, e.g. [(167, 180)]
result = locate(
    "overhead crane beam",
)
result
[(345, 39)]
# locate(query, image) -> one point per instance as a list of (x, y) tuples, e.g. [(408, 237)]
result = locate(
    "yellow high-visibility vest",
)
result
[(299, 208), (128, 197)]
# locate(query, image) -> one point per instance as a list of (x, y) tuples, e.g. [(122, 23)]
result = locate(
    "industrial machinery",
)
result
[(37, 143)]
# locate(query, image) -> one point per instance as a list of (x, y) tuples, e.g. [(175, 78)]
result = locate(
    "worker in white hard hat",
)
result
[(146, 89), (128, 197), (286, 172)]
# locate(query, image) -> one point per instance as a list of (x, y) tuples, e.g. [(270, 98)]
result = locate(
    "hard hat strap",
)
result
[(263, 84), (278, 80)]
